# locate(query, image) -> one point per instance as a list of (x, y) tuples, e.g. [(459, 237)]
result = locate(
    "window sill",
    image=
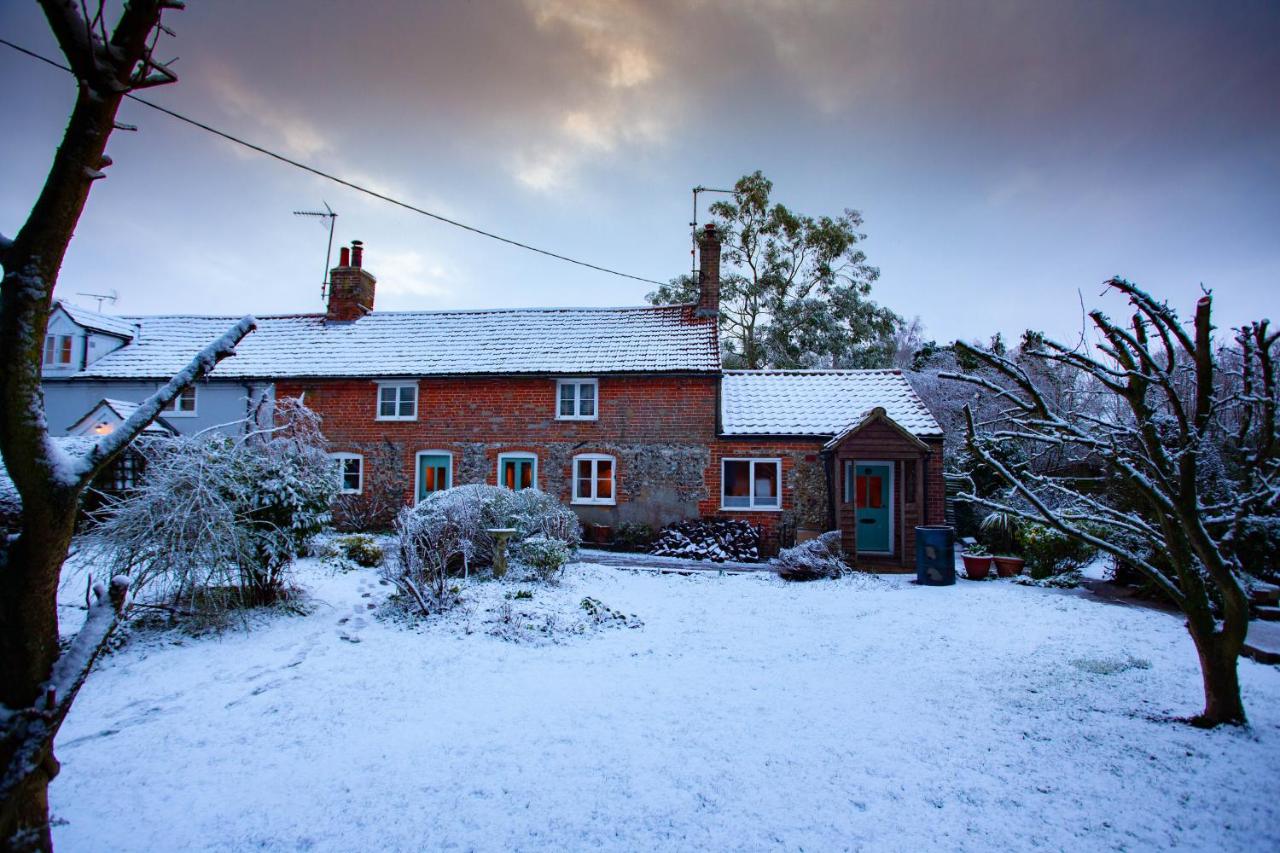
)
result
[(177, 415), (400, 419), (577, 417), (751, 509), (587, 502), (349, 492)]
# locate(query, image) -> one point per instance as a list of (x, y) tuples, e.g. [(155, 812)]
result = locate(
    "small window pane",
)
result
[(50, 345), (766, 484), (604, 479), (65, 342), (737, 483), (587, 400), (351, 475), (566, 400)]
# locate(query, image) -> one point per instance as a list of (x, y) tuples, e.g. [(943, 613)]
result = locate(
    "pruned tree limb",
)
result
[(29, 732)]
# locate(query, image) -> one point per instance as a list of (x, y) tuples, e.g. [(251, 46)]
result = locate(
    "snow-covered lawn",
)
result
[(743, 714)]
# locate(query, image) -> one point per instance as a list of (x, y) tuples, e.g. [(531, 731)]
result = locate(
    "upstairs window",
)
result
[(576, 399), (751, 484), (57, 350), (518, 471), (350, 468), (398, 402), (593, 475), (183, 405)]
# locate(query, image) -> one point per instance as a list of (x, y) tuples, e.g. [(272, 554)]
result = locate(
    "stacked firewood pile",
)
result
[(709, 539)]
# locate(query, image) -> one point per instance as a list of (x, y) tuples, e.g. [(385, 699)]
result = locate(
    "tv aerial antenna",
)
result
[(102, 297), (322, 215), (693, 251)]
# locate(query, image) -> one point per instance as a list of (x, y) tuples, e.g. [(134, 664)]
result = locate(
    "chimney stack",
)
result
[(351, 287), (709, 272)]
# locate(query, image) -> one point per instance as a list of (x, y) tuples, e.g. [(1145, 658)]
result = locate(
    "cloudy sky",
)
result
[(1007, 156)]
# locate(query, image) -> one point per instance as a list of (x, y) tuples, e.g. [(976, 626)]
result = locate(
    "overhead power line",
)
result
[(343, 181)]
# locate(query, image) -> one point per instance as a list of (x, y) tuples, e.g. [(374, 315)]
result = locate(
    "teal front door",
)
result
[(873, 502)]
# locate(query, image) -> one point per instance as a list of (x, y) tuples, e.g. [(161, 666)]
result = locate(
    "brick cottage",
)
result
[(623, 413)]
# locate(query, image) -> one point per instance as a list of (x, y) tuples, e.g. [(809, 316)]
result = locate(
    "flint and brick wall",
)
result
[(658, 428)]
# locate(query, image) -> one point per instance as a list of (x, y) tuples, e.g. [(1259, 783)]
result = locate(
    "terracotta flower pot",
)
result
[(976, 568), (1007, 567)]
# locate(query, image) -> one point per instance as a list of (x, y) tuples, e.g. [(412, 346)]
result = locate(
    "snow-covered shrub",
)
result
[(813, 560), (1068, 579), (545, 555), (535, 513), (1049, 553), (360, 548), (216, 520), (480, 508), (431, 539)]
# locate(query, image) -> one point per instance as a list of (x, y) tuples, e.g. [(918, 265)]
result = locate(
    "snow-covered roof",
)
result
[(122, 409), (86, 319), (664, 338), (818, 402)]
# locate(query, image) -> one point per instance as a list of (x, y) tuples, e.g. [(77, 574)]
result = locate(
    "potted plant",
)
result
[(977, 562), (1003, 527)]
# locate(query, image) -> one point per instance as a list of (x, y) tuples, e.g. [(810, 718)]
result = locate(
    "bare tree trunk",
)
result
[(1219, 654)]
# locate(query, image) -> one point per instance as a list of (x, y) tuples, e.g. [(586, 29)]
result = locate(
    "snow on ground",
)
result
[(743, 714)]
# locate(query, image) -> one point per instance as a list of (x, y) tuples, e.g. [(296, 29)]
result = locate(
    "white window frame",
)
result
[(174, 408), (344, 456), (751, 479), (594, 459), (417, 470), (57, 350), (399, 385), (521, 454), (577, 384)]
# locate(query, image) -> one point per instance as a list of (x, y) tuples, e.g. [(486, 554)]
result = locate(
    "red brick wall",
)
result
[(661, 430), (675, 416), (792, 452)]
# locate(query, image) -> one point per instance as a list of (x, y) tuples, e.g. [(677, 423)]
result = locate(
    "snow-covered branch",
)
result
[(30, 731), (86, 467)]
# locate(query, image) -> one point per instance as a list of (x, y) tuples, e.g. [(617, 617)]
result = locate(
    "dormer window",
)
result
[(576, 399), (57, 350)]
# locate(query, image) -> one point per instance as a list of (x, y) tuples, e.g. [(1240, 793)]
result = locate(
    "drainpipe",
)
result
[(924, 489), (828, 467)]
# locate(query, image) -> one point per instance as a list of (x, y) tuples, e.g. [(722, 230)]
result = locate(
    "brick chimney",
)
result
[(350, 286), (709, 272)]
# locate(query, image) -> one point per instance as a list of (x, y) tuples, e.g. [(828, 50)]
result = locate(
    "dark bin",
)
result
[(935, 555)]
